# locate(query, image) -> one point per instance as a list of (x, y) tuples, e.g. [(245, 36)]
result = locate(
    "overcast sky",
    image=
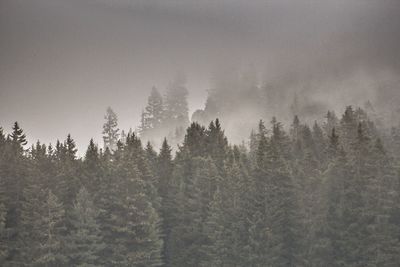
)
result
[(62, 62)]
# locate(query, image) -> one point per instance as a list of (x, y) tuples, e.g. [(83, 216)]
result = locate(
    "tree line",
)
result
[(320, 195)]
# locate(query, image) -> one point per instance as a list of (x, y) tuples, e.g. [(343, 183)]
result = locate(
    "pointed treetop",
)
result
[(92, 152), (165, 148), (217, 124), (70, 147), (17, 136)]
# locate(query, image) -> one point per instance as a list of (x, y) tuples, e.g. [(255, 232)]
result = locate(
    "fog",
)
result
[(63, 62)]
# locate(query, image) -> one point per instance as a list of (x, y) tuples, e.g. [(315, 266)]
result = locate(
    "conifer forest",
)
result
[(138, 133), (326, 194)]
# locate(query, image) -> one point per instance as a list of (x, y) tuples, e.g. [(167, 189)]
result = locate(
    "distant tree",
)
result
[(331, 122), (110, 129), (176, 106), (18, 137), (319, 143), (153, 116), (348, 128)]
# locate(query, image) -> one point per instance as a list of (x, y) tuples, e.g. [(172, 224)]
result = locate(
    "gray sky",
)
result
[(62, 62)]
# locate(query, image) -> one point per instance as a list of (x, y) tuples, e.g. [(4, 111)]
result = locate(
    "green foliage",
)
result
[(85, 241), (322, 196), (50, 229)]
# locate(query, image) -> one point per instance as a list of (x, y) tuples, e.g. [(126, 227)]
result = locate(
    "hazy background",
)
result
[(62, 62)]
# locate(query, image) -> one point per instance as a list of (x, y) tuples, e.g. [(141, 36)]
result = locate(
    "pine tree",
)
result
[(176, 108), (4, 246), (92, 170), (354, 209), (110, 130), (85, 241), (330, 238), (167, 190), (383, 247), (319, 143), (285, 224), (130, 220), (197, 178), (152, 116), (227, 225), (51, 233), (151, 157), (30, 219), (68, 175), (348, 128), (14, 170), (330, 123), (216, 144)]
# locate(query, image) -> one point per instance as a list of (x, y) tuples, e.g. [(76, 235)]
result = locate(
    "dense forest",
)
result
[(321, 195), (199, 133)]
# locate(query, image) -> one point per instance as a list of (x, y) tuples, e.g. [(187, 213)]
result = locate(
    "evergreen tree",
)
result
[(354, 207), (285, 223), (110, 130), (92, 169), (319, 143), (151, 157), (382, 246), (130, 217), (4, 246), (176, 108), (216, 144), (14, 170), (167, 190), (197, 178), (68, 175), (330, 240), (50, 233), (153, 116), (85, 241), (227, 225), (331, 122)]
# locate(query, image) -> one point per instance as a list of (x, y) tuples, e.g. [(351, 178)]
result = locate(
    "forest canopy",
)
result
[(326, 194)]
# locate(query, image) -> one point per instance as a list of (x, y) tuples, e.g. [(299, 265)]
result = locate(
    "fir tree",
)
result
[(176, 108), (4, 246), (167, 190), (14, 169), (130, 219), (216, 144), (110, 129), (51, 233), (85, 241), (152, 116)]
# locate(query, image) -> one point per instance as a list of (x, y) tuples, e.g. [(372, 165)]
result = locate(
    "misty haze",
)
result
[(221, 133)]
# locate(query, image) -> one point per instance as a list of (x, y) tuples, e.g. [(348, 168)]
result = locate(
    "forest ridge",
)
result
[(325, 195)]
